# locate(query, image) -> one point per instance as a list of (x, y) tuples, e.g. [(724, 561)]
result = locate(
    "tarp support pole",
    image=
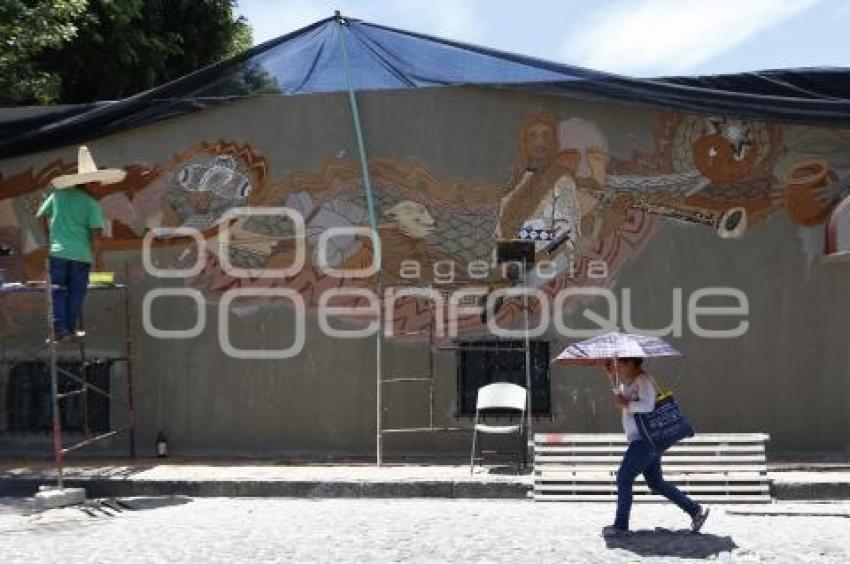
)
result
[(373, 224), (529, 422)]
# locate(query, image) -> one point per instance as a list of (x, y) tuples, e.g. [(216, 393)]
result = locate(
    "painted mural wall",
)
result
[(592, 193)]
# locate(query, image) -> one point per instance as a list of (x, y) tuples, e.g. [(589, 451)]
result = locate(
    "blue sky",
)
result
[(635, 37)]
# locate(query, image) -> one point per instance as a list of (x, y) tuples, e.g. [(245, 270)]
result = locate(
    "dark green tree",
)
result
[(128, 46), (28, 28)]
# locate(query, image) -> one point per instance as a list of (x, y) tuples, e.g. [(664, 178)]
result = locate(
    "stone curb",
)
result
[(800, 491), (25, 487)]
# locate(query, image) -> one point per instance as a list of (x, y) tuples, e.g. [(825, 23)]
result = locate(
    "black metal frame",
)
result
[(466, 395)]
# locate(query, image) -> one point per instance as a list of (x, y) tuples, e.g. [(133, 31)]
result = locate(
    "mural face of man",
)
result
[(539, 142), (412, 218), (585, 140)]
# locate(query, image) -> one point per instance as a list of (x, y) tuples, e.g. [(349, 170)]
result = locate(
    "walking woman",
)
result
[(636, 394)]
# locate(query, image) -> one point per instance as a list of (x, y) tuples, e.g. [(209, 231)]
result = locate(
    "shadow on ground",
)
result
[(48, 471), (155, 502), (98, 507), (15, 505), (676, 544)]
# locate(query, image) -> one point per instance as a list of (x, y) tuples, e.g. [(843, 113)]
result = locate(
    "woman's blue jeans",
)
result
[(640, 458)]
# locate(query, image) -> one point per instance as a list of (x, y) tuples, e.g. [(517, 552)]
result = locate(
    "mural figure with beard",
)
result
[(541, 204), (558, 183)]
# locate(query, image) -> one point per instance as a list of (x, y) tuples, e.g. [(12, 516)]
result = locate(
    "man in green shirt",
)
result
[(74, 220), (75, 223)]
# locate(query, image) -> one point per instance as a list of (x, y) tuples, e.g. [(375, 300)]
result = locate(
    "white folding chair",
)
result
[(501, 395)]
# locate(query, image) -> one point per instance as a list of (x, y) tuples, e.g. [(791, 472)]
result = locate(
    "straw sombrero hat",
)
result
[(87, 172)]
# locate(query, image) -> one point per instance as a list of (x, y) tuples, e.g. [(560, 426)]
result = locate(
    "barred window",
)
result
[(29, 406), (485, 361)]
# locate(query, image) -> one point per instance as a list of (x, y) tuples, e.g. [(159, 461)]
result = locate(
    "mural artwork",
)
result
[(578, 202)]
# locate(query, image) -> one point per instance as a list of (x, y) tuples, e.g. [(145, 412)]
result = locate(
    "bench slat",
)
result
[(620, 449), (673, 460), (590, 488), (695, 469), (740, 477), (642, 488), (704, 498), (619, 438)]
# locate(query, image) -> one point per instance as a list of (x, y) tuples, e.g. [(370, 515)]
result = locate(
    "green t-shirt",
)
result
[(72, 214)]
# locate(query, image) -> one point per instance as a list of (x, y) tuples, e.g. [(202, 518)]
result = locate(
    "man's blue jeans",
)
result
[(640, 458), (72, 277)]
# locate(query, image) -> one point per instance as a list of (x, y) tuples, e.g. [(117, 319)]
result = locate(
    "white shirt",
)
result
[(641, 395)]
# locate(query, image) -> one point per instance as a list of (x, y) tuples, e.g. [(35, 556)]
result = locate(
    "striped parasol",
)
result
[(615, 345)]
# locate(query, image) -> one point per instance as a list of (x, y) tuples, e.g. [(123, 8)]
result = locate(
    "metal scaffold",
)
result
[(82, 382)]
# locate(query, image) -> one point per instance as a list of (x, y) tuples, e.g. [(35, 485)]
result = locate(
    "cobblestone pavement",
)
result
[(419, 530)]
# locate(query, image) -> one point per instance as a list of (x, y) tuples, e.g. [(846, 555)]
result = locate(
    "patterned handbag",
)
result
[(665, 425)]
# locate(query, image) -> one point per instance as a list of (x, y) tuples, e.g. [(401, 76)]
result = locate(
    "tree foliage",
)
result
[(28, 28), (116, 48)]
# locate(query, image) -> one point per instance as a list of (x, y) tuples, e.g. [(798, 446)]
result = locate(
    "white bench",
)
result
[(715, 468)]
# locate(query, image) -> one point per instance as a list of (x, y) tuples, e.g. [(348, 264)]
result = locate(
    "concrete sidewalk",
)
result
[(145, 477), (259, 479)]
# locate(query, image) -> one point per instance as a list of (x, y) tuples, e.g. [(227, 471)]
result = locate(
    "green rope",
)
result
[(373, 221), (361, 145)]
